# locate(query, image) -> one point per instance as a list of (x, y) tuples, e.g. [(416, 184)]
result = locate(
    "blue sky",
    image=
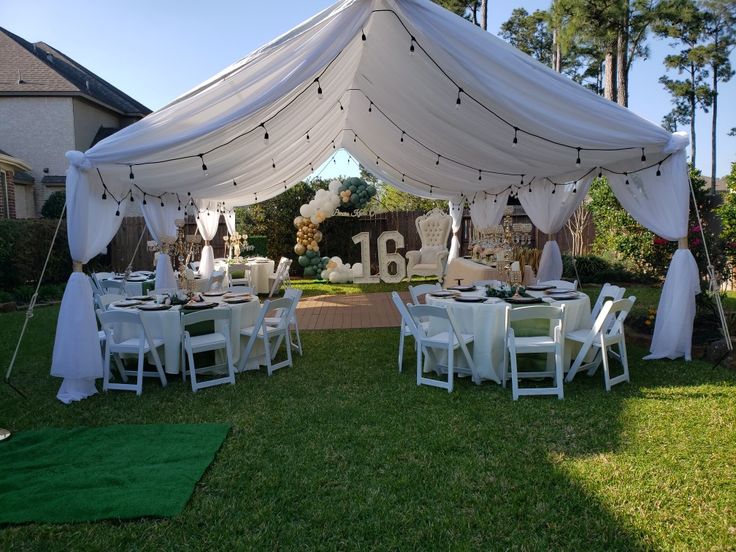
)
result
[(156, 50)]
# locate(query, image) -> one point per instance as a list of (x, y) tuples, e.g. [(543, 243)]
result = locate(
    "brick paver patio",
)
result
[(337, 312)]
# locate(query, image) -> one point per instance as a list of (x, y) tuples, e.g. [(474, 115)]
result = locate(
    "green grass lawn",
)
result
[(343, 452)]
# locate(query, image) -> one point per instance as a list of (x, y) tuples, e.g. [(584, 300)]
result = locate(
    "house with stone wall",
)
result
[(49, 104)]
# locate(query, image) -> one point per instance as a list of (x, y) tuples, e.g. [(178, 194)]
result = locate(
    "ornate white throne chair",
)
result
[(431, 260)]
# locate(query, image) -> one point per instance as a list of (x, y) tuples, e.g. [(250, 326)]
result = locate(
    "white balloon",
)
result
[(314, 219)]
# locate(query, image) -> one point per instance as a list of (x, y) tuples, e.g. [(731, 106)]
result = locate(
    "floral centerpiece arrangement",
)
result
[(506, 291)]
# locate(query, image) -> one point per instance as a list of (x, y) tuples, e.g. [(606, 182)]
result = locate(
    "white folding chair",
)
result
[(602, 338), (407, 325), (543, 343), (265, 333), (295, 295), (417, 292), (217, 281), (102, 336), (113, 286), (162, 291), (448, 340), (141, 345), (560, 284), (237, 268), (216, 340), (608, 292), (281, 275)]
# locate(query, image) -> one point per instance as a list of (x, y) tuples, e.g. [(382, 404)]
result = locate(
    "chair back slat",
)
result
[(547, 312), (208, 315)]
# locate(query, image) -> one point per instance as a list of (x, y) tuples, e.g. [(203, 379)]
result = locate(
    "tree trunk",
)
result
[(609, 86), (484, 14), (622, 51), (714, 116), (692, 113), (556, 51)]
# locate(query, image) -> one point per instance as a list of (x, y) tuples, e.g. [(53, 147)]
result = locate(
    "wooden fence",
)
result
[(337, 240)]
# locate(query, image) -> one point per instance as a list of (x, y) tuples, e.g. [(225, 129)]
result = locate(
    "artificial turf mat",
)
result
[(91, 473)]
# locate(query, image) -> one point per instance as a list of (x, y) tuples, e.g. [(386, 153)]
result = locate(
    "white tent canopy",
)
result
[(420, 97)]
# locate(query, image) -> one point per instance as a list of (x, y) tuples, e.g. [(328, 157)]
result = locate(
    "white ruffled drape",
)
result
[(161, 222), (487, 211), (230, 221), (549, 212), (661, 204), (91, 225), (207, 222), (457, 205)]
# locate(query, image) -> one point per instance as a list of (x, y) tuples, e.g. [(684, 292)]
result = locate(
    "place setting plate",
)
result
[(202, 305), (141, 298), (443, 294), (126, 303), (470, 299), (539, 288), (462, 288), (214, 293), (523, 300), (153, 307), (237, 300), (564, 296)]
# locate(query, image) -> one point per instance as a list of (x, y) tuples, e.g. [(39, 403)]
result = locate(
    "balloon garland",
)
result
[(348, 196)]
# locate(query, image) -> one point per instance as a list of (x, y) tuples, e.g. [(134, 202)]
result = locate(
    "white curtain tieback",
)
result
[(682, 243), (206, 243), (78, 159), (678, 140), (77, 266)]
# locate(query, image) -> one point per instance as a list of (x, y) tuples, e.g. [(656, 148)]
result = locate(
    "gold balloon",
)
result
[(298, 221), (314, 245), (299, 249), (318, 236)]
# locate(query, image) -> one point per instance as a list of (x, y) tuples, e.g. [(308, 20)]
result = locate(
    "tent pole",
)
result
[(714, 286)]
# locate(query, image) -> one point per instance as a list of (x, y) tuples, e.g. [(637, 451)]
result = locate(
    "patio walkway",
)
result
[(337, 312)]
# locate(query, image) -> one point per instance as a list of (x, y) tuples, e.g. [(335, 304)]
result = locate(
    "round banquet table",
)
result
[(486, 322), (166, 325)]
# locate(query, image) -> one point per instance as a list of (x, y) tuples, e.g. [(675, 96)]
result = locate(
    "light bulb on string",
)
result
[(132, 199), (377, 160), (117, 213), (411, 46), (430, 190), (575, 187), (144, 199), (402, 177), (480, 174), (495, 199), (627, 178), (204, 167), (370, 107), (554, 188), (333, 145), (458, 101), (273, 164), (265, 134), (438, 160), (319, 89), (643, 156), (600, 173), (577, 161), (341, 107), (162, 203), (515, 141), (104, 194), (355, 137), (307, 137), (235, 183), (131, 175), (362, 35), (402, 136), (659, 167)]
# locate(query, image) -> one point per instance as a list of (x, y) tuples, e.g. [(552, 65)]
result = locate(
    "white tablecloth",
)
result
[(166, 325), (132, 287), (486, 322), (260, 271)]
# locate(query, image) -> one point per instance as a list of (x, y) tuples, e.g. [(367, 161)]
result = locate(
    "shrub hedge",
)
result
[(597, 270)]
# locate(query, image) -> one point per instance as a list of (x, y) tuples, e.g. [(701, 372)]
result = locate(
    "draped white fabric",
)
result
[(457, 206), (230, 221), (161, 222), (549, 206), (660, 203), (207, 222), (374, 93), (486, 211), (673, 327), (91, 225)]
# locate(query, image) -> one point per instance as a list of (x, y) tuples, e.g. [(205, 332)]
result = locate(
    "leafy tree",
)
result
[(684, 22), (274, 218), (720, 32), (473, 10), (53, 206), (529, 33), (727, 214)]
